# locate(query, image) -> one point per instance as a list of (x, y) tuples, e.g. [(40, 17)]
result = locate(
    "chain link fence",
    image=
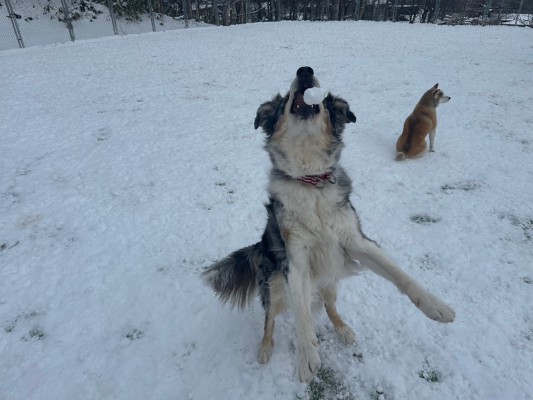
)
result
[(37, 22), (26, 23)]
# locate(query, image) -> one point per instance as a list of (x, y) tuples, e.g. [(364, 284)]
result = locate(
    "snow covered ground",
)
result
[(128, 164)]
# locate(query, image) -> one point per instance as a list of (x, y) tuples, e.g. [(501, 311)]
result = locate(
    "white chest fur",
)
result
[(315, 223)]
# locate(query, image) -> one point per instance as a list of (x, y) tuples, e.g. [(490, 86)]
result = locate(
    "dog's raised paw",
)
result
[(433, 307), (308, 364)]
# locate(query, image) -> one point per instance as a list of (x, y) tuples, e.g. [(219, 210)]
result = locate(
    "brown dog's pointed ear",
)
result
[(436, 86)]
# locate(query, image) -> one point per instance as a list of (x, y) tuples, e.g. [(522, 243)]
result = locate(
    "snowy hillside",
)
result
[(128, 164)]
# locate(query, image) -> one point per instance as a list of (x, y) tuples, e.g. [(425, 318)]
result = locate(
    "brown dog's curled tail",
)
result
[(234, 278)]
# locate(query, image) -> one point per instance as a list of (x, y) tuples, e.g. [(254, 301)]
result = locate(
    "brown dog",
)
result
[(421, 122)]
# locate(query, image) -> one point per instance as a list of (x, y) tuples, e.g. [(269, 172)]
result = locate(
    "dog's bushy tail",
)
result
[(234, 278), (400, 156)]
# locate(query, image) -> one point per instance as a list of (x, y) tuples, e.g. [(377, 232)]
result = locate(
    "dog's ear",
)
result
[(436, 86), (339, 113), (268, 114), (351, 116)]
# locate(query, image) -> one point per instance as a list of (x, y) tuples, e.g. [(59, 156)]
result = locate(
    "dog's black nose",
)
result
[(303, 71)]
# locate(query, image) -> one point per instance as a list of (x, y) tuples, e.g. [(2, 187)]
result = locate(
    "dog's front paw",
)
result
[(308, 363), (433, 307), (432, 149)]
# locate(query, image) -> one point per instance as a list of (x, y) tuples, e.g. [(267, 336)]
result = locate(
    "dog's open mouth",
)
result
[(304, 80), (301, 108)]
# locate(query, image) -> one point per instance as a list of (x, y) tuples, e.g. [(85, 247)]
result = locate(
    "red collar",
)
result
[(318, 181)]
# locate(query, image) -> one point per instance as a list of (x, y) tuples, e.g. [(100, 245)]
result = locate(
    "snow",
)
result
[(128, 164), (314, 95)]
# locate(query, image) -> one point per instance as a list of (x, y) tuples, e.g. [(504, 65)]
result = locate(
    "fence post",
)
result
[(11, 15), (112, 14), (486, 13), (68, 20), (519, 11), (151, 9), (437, 11), (356, 11)]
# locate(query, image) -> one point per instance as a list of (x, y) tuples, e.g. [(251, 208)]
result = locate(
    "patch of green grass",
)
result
[(327, 386), (430, 374)]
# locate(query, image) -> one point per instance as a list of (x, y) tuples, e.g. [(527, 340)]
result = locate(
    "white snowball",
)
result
[(314, 95)]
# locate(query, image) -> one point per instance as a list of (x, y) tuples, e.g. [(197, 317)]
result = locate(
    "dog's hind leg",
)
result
[(267, 344), (276, 306), (371, 256), (432, 134), (329, 295)]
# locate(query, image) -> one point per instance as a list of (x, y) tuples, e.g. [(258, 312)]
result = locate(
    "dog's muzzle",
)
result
[(305, 79)]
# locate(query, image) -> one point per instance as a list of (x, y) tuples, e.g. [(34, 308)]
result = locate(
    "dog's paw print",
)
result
[(11, 197), (35, 333), (466, 186), (426, 262), (205, 206), (11, 326), (189, 349), (424, 219), (24, 321), (525, 224), (528, 280), (8, 246), (103, 134), (228, 191), (378, 394), (134, 334), (528, 334)]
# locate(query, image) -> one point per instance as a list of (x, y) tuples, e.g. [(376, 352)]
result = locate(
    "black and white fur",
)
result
[(313, 236)]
